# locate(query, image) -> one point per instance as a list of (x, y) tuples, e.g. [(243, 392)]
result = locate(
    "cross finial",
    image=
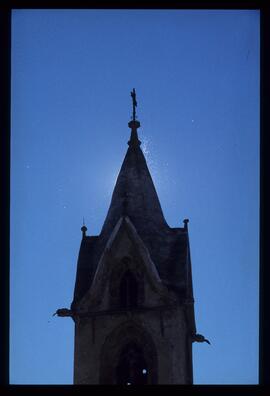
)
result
[(134, 124), (134, 103)]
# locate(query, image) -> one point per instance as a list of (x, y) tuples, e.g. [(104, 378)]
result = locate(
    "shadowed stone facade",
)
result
[(133, 299)]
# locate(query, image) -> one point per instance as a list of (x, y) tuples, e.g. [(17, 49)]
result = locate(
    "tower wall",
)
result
[(166, 328)]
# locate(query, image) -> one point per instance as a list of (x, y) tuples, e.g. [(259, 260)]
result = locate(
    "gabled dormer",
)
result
[(125, 277)]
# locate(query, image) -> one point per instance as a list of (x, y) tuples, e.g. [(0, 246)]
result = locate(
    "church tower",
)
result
[(133, 304)]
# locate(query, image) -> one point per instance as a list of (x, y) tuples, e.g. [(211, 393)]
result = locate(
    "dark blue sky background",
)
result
[(197, 79)]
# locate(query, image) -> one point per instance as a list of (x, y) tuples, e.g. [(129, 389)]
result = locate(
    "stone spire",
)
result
[(135, 201), (134, 190)]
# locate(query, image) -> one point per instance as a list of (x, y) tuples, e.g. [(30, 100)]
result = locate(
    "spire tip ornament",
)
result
[(84, 229), (134, 124), (134, 103)]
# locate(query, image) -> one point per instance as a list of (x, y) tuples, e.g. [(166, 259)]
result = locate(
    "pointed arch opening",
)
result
[(128, 291), (126, 284), (128, 357), (132, 367)]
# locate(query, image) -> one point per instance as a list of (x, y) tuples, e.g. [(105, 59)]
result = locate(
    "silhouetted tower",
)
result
[(133, 302)]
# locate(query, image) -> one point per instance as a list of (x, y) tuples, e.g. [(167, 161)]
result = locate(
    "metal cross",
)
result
[(134, 102)]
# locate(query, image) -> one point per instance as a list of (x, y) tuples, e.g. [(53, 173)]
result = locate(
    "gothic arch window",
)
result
[(132, 367), (126, 284), (128, 291)]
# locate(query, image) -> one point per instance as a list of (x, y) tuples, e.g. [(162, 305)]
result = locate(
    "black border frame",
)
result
[(5, 119)]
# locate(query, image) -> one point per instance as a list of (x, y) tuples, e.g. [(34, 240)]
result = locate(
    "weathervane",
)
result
[(134, 124), (134, 103)]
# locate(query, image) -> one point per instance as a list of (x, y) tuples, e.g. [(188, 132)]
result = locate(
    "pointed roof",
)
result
[(134, 193)]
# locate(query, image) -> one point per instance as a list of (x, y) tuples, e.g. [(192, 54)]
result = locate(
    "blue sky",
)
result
[(196, 74)]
